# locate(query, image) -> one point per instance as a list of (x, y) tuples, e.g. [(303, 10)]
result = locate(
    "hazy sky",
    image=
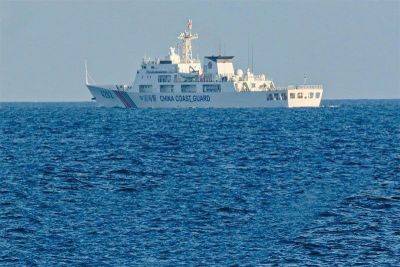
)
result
[(352, 47)]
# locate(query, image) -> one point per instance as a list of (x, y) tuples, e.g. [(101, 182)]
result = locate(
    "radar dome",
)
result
[(239, 72)]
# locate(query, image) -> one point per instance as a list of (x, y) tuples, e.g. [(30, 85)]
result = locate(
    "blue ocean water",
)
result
[(96, 186)]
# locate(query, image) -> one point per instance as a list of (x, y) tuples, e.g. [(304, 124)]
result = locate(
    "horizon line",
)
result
[(88, 101)]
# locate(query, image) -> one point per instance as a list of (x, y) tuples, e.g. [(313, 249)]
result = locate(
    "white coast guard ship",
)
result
[(181, 81)]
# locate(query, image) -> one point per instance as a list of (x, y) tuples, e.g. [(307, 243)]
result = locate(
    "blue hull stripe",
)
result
[(118, 94), (125, 100), (129, 100)]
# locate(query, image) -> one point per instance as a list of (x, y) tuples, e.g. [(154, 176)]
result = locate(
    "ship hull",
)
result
[(108, 96)]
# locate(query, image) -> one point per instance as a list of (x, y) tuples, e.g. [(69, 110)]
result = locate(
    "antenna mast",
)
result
[(252, 58), (248, 52), (187, 38)]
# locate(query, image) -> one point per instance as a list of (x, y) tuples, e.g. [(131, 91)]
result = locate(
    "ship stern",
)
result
[(304, 96)]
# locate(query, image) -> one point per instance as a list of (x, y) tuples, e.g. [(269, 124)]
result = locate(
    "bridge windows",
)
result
[(145, 88), (188, 88), (277, 96), (292, 95), (166, 88), (317, 94), (299, 95), (211, 88), (311, 95), (164, 78)]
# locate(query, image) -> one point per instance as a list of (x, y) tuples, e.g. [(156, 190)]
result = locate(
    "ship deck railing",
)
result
[(304, 86), (200, 80)]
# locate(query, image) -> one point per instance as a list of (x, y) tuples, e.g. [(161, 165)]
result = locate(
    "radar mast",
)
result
[(187, 37)]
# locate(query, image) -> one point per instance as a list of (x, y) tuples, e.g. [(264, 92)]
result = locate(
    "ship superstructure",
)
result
[(180, 81)]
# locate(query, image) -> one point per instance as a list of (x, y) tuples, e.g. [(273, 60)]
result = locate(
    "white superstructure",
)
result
[(181, 81)]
